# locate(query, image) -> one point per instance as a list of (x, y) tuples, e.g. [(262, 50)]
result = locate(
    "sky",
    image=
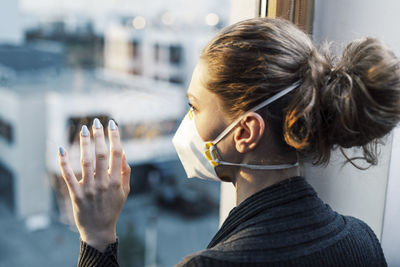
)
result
[(142, 7), (104, 11)]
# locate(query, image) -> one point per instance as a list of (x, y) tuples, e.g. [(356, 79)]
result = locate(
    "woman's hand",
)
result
[(98, 198)]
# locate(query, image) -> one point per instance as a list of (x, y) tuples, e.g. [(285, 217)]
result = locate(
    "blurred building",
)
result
[(147, 66), (159, 52), (23, 187), (39, 114)]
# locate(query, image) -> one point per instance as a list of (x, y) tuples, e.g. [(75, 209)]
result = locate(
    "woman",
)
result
[(261, 99)]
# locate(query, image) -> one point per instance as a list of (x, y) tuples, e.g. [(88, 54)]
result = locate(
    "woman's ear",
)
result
[(249, 132)]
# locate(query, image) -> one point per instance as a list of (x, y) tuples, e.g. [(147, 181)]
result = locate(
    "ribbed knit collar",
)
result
[(272, 196)]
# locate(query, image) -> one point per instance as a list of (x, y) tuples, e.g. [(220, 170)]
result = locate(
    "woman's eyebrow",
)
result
[(189, 95)]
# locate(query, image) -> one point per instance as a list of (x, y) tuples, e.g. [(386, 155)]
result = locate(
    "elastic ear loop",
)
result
[(259, 106), (261, 167), (233, 124)]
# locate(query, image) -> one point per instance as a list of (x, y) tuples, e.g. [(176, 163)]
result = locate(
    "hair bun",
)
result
[(361, 101), (351, 105)]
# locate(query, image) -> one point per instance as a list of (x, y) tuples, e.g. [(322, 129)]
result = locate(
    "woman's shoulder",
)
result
[(360, 232), (352, 244)]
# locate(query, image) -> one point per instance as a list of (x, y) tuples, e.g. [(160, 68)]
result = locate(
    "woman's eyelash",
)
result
[(191, 106)]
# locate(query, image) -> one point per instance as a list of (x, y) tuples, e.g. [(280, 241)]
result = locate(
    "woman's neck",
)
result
[(249, 182)]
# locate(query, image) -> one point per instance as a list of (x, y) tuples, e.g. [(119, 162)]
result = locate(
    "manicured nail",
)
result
[(112, 125), (85, 131), (61, 150), (97, 123)]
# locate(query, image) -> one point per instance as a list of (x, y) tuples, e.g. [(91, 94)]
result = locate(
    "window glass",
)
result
[(64, 63)]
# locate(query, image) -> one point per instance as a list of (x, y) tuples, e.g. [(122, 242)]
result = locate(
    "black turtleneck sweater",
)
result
[(285, 224)]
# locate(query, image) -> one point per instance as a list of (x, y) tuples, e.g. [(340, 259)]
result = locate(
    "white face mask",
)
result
[(200, 158)]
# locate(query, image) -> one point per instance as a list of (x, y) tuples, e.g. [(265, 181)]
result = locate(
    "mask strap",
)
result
[(261, 167), (261, 105)]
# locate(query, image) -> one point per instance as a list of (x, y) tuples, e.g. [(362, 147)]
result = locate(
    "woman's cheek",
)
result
[(208, 126), (200, 129)]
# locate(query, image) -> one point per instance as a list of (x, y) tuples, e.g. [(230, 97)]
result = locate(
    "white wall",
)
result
[(391, 220), (343, 20), (10, 26), (363, 194)]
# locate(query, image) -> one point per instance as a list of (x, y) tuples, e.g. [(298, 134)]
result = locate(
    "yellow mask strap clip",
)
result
[(211, 154)]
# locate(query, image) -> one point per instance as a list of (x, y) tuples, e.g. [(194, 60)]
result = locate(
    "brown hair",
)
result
[(353, 104)]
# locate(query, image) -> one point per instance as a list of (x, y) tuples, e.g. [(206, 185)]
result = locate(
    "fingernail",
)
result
[(85, 131), (61, 150), (112, 125), (97, 123)]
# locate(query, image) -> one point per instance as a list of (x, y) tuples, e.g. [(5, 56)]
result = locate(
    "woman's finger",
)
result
[(126, 175), (86, 156), (100, 150), (115, 150), (67, 173)]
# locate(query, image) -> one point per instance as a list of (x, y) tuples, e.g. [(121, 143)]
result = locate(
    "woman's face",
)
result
[(210, 117)]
